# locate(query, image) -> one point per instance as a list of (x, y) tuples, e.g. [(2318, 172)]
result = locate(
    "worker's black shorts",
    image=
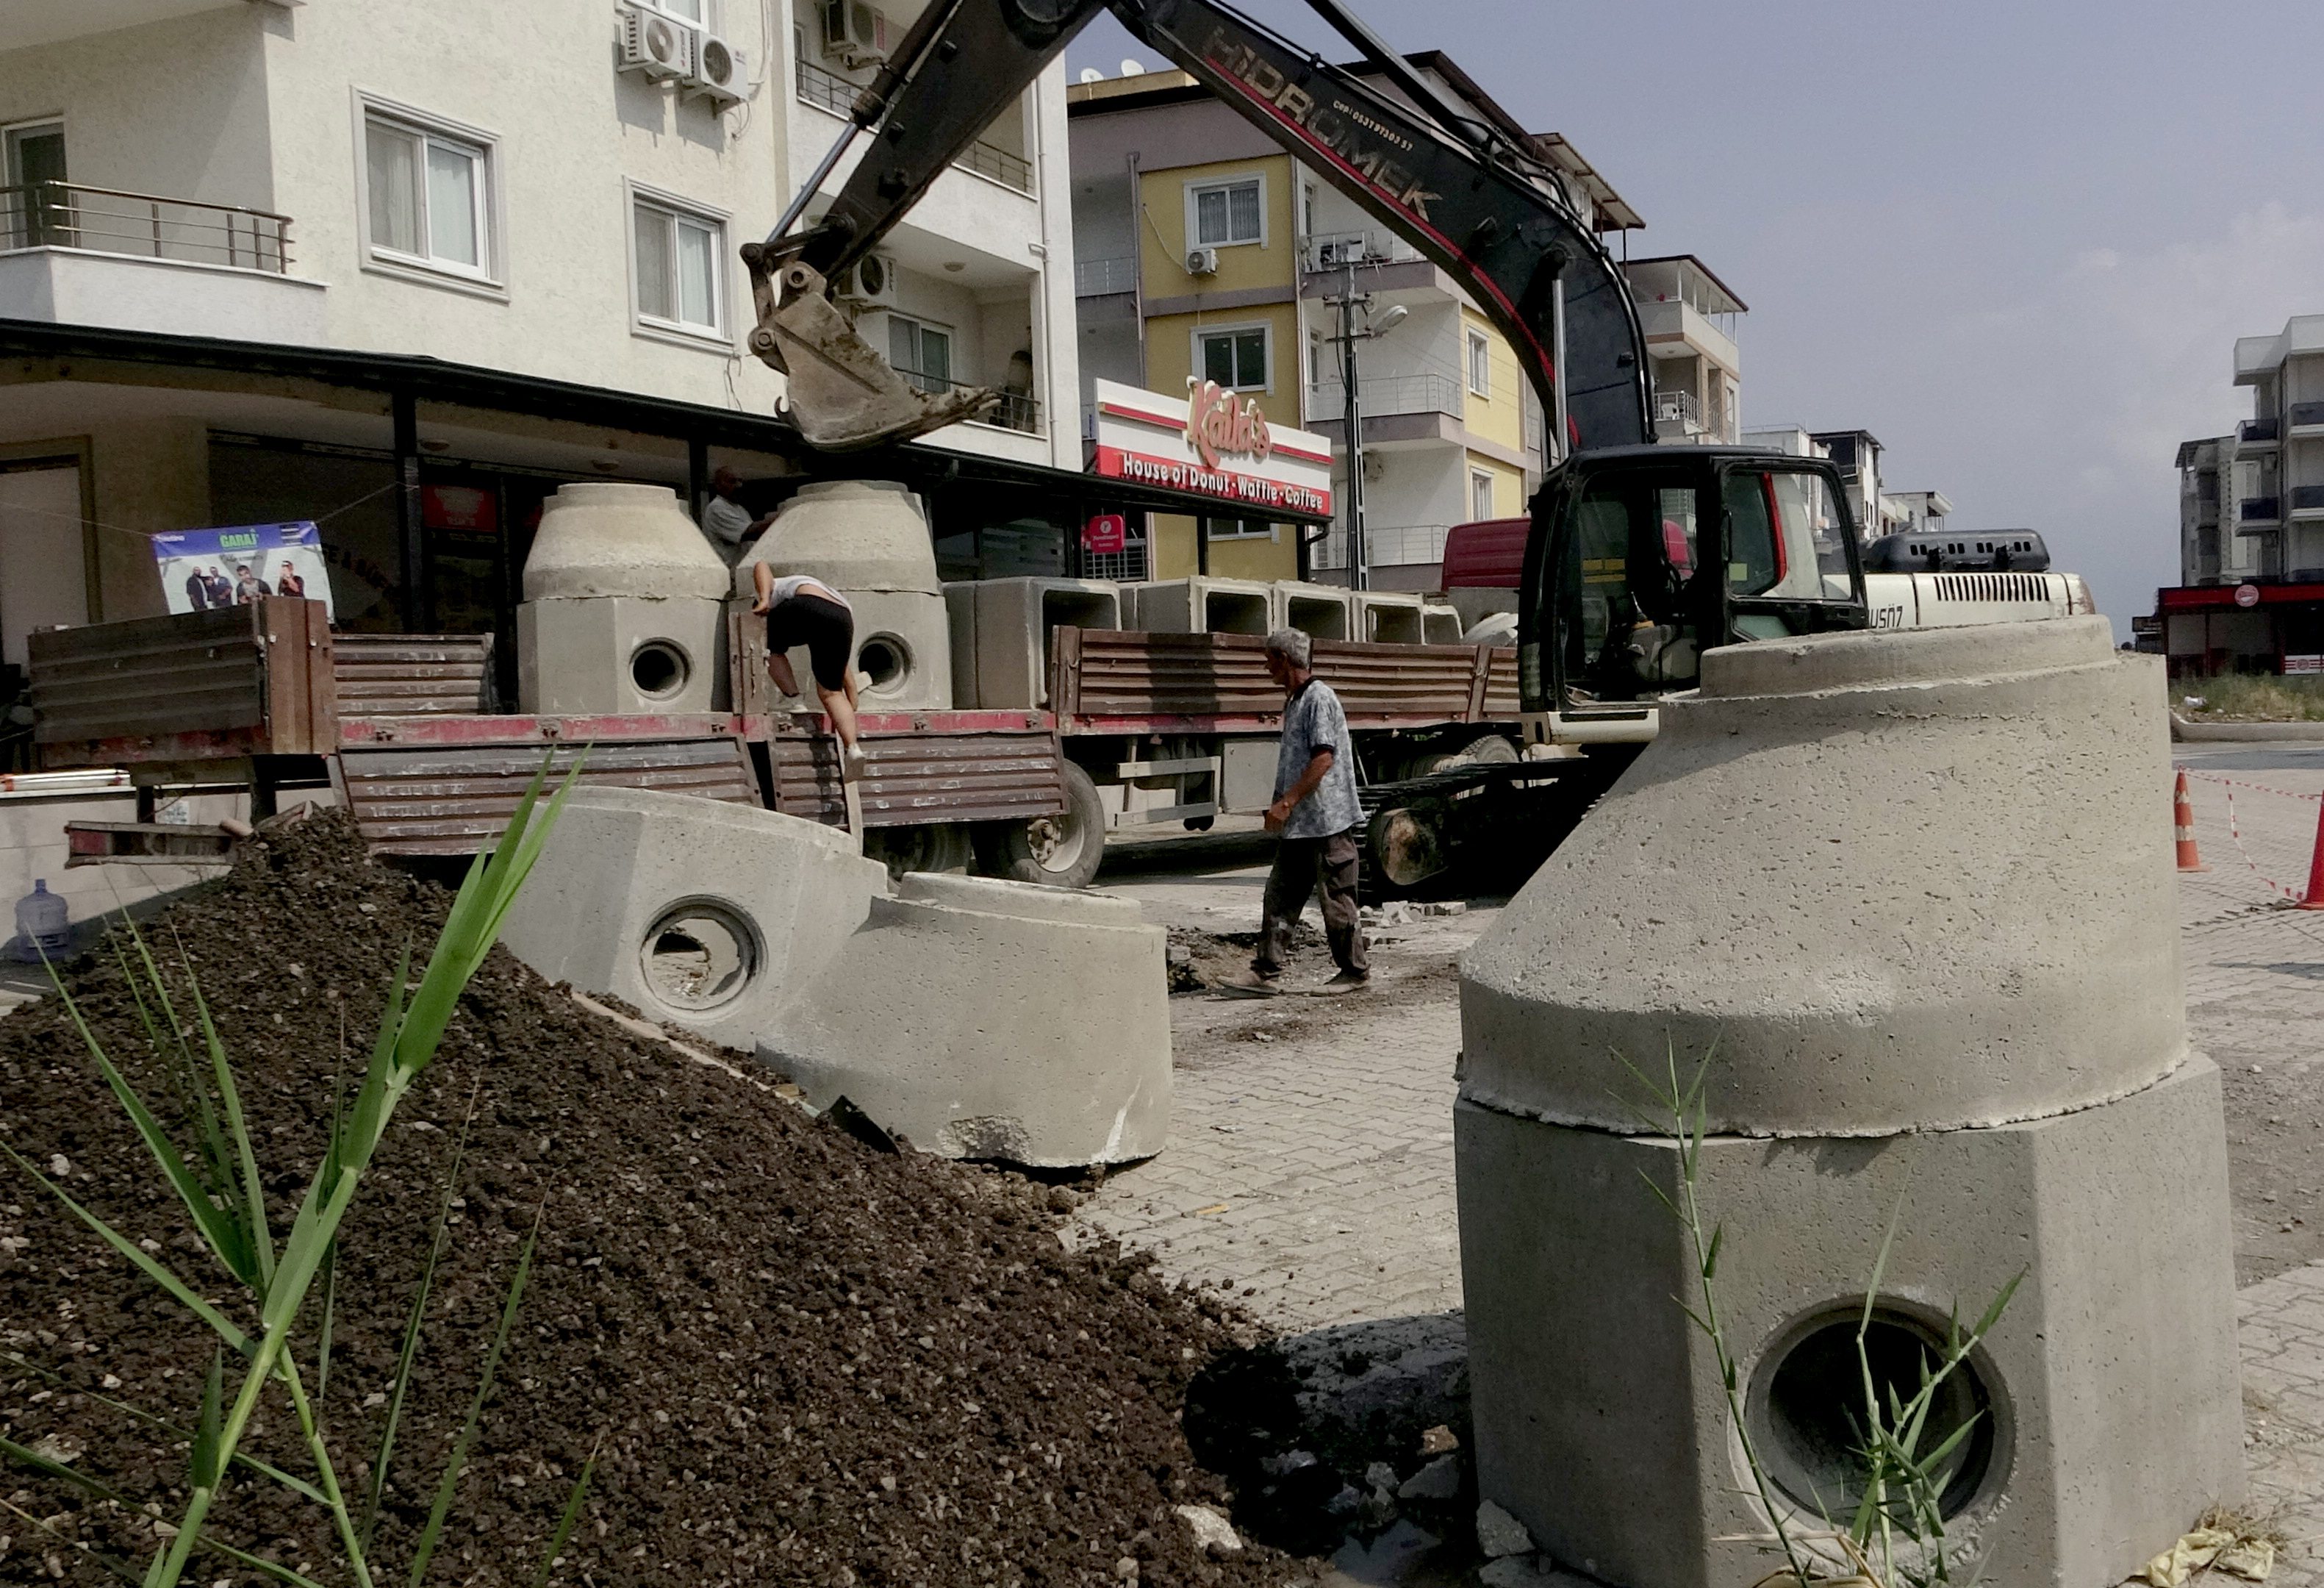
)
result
[(824, 627)]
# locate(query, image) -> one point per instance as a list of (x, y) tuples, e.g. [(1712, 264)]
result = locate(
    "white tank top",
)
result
[(791, 584)]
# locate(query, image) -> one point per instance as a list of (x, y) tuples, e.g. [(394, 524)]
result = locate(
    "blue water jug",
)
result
[(42, 922)]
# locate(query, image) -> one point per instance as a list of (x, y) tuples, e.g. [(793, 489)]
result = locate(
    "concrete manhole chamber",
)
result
[(1897, 1002), (700, 955)]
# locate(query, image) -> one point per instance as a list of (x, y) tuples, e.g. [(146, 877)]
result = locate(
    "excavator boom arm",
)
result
[(1490, 216)]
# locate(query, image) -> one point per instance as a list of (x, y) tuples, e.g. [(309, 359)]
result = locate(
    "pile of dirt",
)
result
[(795, 1358)]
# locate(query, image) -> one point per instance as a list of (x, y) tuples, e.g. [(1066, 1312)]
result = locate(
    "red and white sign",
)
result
[(2247, 594), (1214, 443), (1105, 534), (2295, 665)]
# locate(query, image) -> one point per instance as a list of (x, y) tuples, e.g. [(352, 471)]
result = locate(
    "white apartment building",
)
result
[(2276, 471), (1689, 318), (546, 191)]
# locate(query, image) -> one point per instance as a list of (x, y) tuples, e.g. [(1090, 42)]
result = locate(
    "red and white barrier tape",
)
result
[(2236, 833)]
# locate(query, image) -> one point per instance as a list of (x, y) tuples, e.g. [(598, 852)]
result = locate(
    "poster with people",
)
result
[(205, 569)]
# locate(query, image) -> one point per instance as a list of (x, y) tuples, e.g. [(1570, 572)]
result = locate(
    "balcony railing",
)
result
[(827, 90), (1099, 278), (1683, 409), (1338, 250), (1384, 548), (144, 226), (1017, 411), (1382, 395), (2256, 429), (2306, 413), (2307, 498), (2257, 510)]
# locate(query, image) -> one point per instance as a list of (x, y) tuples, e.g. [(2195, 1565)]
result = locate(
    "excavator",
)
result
[(1640, 555)]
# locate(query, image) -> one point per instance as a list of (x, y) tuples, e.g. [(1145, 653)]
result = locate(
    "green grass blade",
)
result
[(253, 1190), (219, 1229), (206, 1463), (2000, 1304), (457, 1462), (330, 1310), (410, 1351), (139, 1256), (572, 1514)]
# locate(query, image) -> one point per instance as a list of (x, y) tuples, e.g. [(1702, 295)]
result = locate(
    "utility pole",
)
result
[(1358, 574)]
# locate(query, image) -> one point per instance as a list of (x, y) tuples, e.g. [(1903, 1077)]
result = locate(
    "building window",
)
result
[(1480, 494), (1237, 528), (921, 352), (1480, 365), (1225, 213), (1235, 359), (38, 215), (678, 256), (428, 195)]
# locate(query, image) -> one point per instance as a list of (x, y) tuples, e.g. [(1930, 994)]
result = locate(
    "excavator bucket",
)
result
[(844, 396)]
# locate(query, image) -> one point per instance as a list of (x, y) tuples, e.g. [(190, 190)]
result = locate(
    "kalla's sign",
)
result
[(1214, 443)]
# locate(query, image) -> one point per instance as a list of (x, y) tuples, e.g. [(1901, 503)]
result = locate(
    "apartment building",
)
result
[(1202, 250), (438, 257), (1689, 318)]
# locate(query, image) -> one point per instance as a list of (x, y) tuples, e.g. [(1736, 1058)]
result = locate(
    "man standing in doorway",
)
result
[(725, 521), (1315, 812)]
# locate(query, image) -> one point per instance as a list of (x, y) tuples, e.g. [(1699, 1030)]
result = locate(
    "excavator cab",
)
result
[(1642, 558)]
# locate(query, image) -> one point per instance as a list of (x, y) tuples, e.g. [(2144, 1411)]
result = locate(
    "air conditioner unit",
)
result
[(869, 283), (656, 46), (1202, 262), (854, 33), (720, 73)]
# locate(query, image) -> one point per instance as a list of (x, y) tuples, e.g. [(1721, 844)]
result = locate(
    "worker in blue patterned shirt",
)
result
[(1316, 812)]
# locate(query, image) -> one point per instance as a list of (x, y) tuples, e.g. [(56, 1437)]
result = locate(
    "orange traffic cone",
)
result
[(2315, 900), (2182, 824)]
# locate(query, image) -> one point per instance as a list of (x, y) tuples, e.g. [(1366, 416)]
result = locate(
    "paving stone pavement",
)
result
[(1312, 1174)]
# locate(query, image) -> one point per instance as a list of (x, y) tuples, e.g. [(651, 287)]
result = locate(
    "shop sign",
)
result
[(1105, 534), (1212, 443), (2303, 664), (459, 507), (204, 568), (2247, 594)]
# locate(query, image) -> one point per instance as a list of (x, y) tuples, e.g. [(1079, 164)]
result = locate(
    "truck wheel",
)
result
[(930, 847), (1486, 748), (1062, 850)]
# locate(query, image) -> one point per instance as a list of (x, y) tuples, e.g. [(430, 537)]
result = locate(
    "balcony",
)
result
[(1384, 548), (2257, 510), (1104, 278), (1678, 417), (71, 254), (2257, 435), (1018, 411), (1383, 396), (827, 90), (2307, 419), (1339, 250), (2306, 502), (1674, 329)]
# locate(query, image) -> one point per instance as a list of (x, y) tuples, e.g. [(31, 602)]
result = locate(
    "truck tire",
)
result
[(1062, 851), (1485, 749), (933, 846)]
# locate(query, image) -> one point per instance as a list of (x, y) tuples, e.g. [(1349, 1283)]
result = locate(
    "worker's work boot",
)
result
[(1246, 984)]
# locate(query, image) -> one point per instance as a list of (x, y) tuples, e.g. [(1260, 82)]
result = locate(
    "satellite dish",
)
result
[(1090, 74), (1133, 68)]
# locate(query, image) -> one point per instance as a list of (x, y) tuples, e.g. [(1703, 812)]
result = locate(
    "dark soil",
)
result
[(795, 1358)]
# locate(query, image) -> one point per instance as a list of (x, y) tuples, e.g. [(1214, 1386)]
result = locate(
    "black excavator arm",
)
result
[(1483, 208)]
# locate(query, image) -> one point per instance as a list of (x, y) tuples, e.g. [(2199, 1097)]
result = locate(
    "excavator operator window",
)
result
[(1627, 613), (1787, 537)]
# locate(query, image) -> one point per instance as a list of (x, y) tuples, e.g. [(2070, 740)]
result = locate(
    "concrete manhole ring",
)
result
[(699, 956)]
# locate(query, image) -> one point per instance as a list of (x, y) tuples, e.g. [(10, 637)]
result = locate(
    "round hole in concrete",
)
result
[(699, 956), (1807, 1409), (658, 669), (886, 660)]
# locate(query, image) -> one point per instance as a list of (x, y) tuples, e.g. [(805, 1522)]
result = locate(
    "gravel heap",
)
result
[(796, 1359)]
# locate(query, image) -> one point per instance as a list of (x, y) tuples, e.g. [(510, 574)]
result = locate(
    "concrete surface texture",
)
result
[(1389, 617), (990, 1018), (709, 915), (1896, 880), (1003, 633), (601, 538), (868, 540), (1202, 604), (2107, 1404), (1321, 612)]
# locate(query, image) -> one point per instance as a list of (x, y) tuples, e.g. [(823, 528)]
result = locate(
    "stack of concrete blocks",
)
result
[(1202, 604), (977, 1018), (867, 540), (1901, 1008), (1389, 617), (1440, 624), (1004, 634), (622, 606), (1319, 612)]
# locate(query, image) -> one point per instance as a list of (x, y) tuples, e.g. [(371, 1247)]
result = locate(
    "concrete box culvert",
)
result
[(1893, 904)]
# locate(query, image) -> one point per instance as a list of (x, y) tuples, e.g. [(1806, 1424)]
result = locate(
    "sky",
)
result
[(2015, 241)]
